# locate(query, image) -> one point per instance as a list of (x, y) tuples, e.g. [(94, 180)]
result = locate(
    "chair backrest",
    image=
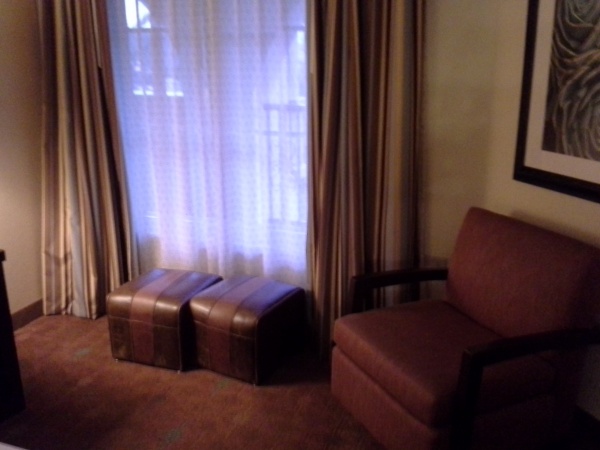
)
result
[(516, 278)]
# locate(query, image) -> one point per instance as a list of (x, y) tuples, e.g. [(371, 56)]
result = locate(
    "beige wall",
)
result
[(474, 61), (20, 157)]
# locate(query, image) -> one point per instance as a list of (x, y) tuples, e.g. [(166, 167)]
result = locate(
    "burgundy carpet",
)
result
[(78, 397)]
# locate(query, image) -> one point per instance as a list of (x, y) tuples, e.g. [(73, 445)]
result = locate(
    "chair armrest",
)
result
[(476, 358), (360, 285)]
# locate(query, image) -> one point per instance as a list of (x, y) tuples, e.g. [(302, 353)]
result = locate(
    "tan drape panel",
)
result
[(363, 140), (86, 234)]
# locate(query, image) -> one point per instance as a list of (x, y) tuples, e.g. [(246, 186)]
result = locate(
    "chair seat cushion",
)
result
[(413, 351)]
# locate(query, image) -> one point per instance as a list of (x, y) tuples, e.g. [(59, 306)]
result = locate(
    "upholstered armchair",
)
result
[(495, 364)]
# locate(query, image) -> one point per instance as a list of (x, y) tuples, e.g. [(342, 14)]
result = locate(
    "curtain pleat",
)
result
[(86, 232), (363, 148)]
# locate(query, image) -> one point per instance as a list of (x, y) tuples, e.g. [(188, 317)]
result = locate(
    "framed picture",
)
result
[(558, 142)]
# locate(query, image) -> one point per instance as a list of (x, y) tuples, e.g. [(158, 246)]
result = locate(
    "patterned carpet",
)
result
[(78, 397)]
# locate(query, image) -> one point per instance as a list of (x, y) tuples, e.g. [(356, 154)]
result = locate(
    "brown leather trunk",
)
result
[(246, 325), (149, 318)]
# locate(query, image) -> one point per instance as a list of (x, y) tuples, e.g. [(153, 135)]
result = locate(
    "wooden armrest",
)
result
[(476, 358), (360, 285)]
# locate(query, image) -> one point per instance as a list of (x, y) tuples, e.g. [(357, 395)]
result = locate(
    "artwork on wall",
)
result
[(558, 143)]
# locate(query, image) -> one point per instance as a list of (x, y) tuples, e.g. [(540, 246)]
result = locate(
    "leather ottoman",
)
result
[(246, 325), (149, 319)]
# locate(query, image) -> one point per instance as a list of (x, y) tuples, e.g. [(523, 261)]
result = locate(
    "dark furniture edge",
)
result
[(586, 424), (11, 388)]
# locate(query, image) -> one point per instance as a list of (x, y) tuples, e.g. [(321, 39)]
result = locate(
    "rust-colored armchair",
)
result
[(494, 364)]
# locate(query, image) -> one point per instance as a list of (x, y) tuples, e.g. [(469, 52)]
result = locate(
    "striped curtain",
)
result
[(86, 234), (364, 97), (362, 172)]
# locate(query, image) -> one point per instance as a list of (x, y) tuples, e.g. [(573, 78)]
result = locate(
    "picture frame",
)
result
[(556, 147)]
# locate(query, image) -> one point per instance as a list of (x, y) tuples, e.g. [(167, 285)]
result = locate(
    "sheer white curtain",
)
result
[(211, 99)]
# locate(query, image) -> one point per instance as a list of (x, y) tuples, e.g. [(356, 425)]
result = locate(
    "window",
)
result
[(141, 39), (211, 97)]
